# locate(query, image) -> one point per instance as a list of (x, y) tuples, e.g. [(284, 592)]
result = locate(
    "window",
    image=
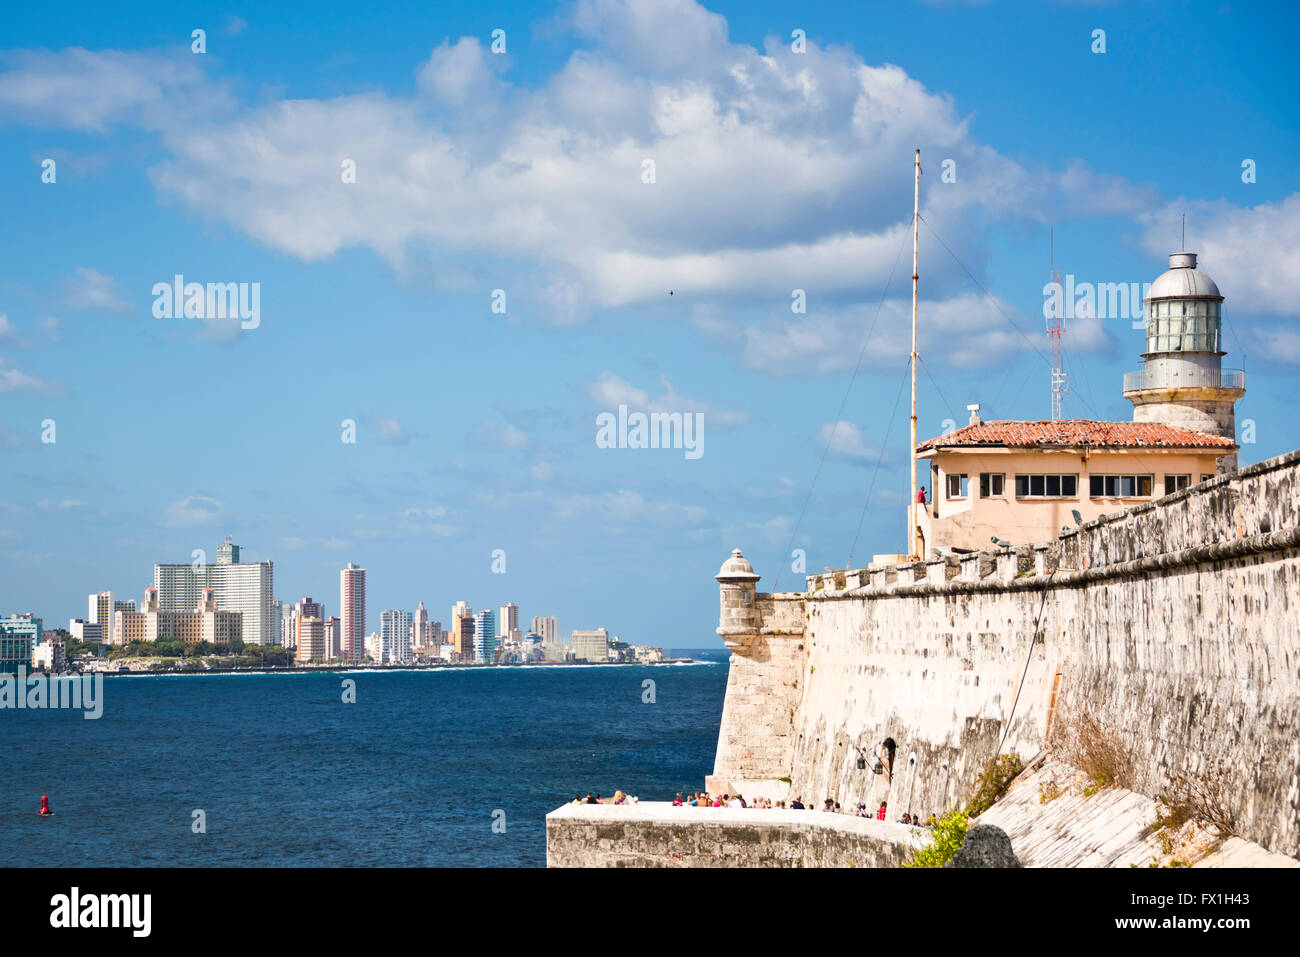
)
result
[(957, 486), (1119, 486), (1176, 483), (991, 484), (1206, 478), (1047, 486)]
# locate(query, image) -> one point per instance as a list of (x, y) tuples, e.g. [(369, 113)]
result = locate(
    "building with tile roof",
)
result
[(1023, 482)]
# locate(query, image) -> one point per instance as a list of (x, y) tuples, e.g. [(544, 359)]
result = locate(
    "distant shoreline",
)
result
[(368, 669)]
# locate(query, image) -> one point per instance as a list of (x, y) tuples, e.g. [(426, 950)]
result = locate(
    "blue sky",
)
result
[(523, 171)]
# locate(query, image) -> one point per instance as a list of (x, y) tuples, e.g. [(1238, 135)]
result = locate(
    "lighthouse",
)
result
[(1182, 381)]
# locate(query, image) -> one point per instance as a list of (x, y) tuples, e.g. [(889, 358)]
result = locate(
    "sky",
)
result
[(473, 228)]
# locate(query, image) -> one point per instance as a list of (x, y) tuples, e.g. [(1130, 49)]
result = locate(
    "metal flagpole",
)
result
[(913, 535)]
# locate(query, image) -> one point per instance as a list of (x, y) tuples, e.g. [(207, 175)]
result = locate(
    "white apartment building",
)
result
[(508, 622), (245, 587), (395, 628), (591, 645)]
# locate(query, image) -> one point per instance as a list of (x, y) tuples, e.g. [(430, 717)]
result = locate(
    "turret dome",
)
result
[(737, 567), (1183, 281)]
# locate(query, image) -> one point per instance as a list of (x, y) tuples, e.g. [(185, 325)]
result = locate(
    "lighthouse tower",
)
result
[(1182, 381)]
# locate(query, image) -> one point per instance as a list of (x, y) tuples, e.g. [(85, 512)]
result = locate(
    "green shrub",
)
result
[(993, 783), (949, 832)]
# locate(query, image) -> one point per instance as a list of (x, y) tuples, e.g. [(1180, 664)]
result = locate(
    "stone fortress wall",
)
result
[(1174, 624)]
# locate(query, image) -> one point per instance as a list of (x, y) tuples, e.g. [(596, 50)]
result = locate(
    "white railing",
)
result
[(1188, 378)]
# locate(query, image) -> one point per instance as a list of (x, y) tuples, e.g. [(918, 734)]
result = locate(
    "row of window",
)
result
[(992, 485)]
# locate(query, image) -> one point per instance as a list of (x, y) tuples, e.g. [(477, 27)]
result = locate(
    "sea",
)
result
[(452, 767)]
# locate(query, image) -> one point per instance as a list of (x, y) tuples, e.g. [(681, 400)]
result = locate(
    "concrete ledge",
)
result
[(660, 835)]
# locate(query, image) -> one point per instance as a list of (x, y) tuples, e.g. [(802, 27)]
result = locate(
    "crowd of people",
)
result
[(703, 799), (830, 805), (618, 798)]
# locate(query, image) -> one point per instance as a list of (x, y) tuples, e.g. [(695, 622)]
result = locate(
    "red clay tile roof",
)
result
[(1077, 433)]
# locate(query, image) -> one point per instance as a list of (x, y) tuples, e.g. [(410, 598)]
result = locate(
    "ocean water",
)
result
[(413, 774)]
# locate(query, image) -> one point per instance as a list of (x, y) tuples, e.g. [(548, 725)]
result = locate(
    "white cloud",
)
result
[(493, 435), (608, 391), (91, 289), (963, 331), (8, 331), (63, 505), (460, 74), (390, 430), (193, 510), (774, 170), (843, 439), (626, 506), (15, 380), (426, 521), (95, 90)]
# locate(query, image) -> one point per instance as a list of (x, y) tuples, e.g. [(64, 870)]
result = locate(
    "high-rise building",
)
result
[(591, 645), (311, 638), (244, 587), (285, 616), (102, 605), (227, 554), (485, 637), (462, 630), (333, 639), (85, 631), (352, 611), (395, 629), (303, 608), (100, 613), (420, 628), (19, 634), (508, 621), (548, 630), (375, 648)]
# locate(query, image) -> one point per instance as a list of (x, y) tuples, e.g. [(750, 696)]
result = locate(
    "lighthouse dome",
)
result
[(1183, 281)]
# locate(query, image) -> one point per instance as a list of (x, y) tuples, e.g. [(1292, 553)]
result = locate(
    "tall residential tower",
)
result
[(352, 611)]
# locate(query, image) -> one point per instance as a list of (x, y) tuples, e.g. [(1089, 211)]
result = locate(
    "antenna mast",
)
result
[(1056, 326), (914, 531)]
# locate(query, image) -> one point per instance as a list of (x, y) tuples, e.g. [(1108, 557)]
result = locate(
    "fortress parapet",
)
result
[(1171, 625)]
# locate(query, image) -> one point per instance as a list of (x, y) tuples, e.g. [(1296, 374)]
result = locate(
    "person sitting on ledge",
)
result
[(620, 797), (591, 800), (797, 804), (677, 801), (881, 812)]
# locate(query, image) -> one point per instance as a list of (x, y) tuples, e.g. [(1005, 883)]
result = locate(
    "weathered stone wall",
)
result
[(660, 835), (756, 739), (1175, 624)]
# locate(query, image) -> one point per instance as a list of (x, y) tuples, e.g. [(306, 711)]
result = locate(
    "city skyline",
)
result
[(390, 623)]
